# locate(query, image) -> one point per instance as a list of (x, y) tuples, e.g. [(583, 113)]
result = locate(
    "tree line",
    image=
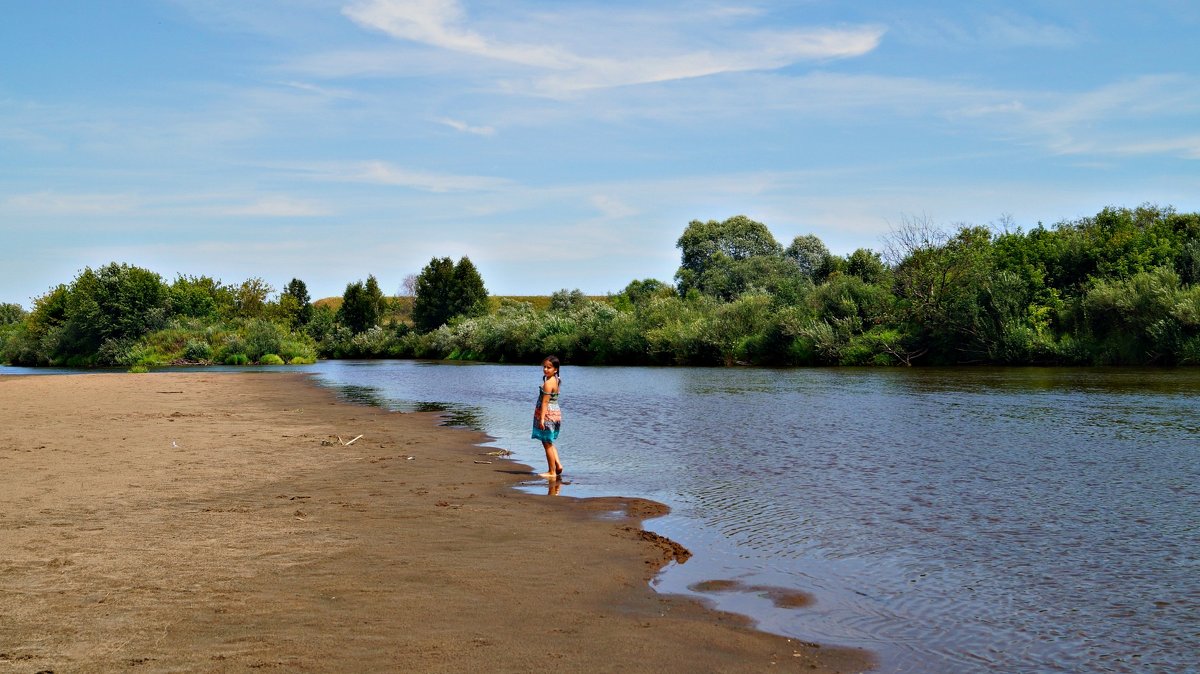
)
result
[(1119, 287)]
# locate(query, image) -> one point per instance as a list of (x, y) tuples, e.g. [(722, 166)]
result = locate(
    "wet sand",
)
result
[(215, 522)]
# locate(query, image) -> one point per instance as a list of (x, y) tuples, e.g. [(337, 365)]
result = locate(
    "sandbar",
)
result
[(212, 522)]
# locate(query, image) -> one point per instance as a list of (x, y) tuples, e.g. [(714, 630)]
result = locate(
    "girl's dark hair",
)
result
[(553, 360)]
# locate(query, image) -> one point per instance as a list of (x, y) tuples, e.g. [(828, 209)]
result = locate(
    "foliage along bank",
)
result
[(1116, 288)]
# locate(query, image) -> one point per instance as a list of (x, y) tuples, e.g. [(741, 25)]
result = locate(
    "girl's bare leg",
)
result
[(555, 467)]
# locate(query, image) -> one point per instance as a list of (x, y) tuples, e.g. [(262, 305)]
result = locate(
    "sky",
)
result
[(565, 144)]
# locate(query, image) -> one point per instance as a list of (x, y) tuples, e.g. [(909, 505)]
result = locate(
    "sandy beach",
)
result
[(183, 522)]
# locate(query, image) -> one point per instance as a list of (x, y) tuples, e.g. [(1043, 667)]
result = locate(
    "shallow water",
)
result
[(967, 520), (1020, 520)]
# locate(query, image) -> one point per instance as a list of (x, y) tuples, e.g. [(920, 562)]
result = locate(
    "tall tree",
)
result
[(724, 259), (811, 256), (359, 310), (470, 295), (116, 302), (867, 265), (200, 296), (375, 296), (250, 298), (296, 304), (445, 290), (11, 314)]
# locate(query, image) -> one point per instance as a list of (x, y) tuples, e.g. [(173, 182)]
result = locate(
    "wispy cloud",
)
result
[(610, 207), (467, 128), (1016, 30), (1007, 30), (384, 173), (277, 207), (1185, 146), (56, 203), (324, 92), (1122, 118), (562, 64)]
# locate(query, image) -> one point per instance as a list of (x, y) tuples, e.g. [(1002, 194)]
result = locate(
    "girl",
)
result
[(547, 418)]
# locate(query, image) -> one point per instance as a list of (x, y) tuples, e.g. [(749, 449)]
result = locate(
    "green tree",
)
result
[(445, 290), (375, 296), (811, 257), (432, 306), (250, 298), (711, 253), (360, 307), (470, 295), (11, 314), (295, 304), (117, 302), (867, 265), (200, 297), (638, 293), (322, 324)]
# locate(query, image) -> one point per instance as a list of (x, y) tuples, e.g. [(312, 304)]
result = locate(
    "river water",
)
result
[(950, 520)]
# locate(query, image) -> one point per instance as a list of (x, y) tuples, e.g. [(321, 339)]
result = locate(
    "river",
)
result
[(951, 520)]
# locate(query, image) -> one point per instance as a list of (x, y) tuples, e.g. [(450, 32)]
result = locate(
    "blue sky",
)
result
[(564, 145)]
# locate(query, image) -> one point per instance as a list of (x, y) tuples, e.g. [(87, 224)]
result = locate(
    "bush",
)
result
[(198, 351), (237, 359), (270, 359), (292, 349), (262, 337)]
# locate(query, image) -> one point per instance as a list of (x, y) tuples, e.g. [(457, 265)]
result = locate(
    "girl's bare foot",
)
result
[(548, 476)]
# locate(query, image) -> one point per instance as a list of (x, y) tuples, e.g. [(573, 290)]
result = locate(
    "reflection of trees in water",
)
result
[(452, 414), (363, 395)]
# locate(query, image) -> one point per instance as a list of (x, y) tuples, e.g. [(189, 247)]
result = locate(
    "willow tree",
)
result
[(725, 259)]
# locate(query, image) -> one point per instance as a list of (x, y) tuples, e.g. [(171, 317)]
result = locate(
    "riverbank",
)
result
[(207, 522)]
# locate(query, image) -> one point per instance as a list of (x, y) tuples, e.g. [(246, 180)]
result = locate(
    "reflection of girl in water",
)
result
[(547, 418)]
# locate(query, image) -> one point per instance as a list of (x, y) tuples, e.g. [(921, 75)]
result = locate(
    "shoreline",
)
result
[(213, 521)]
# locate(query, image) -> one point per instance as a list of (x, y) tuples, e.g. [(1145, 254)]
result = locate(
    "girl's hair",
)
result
[(553, 360)]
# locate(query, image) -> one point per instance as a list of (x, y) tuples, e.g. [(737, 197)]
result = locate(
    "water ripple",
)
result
[(952, 520)]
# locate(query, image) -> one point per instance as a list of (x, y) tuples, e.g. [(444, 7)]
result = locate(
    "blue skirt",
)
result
[(547, 434)]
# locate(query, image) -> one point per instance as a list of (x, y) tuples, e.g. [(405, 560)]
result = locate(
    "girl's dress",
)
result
[(553, 416)]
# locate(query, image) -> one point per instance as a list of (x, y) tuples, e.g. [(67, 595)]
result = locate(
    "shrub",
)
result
[(270, 359), (237, 359), (291, 349), (233, 344), (262, 337), (196, 350)]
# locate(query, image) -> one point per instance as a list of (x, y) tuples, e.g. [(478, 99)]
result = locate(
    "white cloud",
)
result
[(653, 52), (1009, 30), (54, 203), (1014, 30), (610, 207), (467, 128), (1184, 146), (1128, 117), (324, 92), (277, 207), (384, 173)]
